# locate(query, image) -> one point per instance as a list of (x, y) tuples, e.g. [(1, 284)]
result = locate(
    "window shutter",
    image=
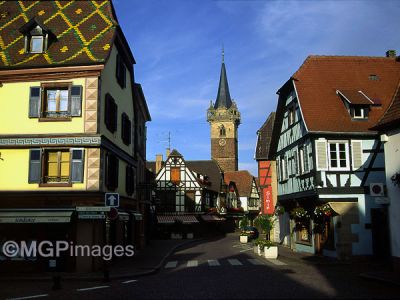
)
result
[(115, 116), (296, 162), (35, 156), (356, 155), (306, 159), (34, 102), (77, 163), (278, 169), (322, 157), (76, 100)]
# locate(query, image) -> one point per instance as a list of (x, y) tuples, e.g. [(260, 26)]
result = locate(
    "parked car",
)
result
[(251, 231)]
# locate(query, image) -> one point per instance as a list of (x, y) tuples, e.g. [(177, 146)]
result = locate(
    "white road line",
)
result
[(247, 249), (276, 262), (235, 246), (235, 262), (192, 263), (171, 264), (255, 261), (29, 297), (213, 263), (93, 288), (129, 281)]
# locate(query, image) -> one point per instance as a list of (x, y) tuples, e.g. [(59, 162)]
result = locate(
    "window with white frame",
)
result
[(283, 168), (291, 115), (303, 160), (338, 155)]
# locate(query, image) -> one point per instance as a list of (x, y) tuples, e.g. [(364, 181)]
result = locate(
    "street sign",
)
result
[(111, 199)]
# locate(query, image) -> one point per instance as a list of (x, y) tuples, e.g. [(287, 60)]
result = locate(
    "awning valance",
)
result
[(35, 216), (170, 219), (212, 218)]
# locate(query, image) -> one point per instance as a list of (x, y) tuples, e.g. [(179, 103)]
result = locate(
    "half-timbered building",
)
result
[(72, 127), (187, 192), (389, 128), (330, 166)]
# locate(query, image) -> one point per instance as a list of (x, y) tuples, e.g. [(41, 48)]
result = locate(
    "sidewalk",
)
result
[(378, 270), (145, 262)]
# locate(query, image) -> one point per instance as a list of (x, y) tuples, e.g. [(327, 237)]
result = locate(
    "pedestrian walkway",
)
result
[(234, 262)]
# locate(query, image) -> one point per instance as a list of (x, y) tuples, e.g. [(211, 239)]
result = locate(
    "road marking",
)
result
[(93, 288), (247, 249), (235, 262), (239, 245), (129, 281), (213, 263), (192, 263), (171, 264), (255, 261), (29, 297), (276, 262)]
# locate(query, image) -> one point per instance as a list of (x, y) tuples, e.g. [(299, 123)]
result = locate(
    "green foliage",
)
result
[(263, 243), (265, 223), (244, 222)]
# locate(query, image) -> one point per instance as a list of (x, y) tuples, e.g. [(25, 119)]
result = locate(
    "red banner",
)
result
[(268, 200)]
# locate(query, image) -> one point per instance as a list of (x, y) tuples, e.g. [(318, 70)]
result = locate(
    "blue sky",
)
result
[(177, 47)]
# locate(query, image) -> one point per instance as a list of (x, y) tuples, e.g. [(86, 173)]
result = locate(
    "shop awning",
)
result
[(34, 216), (212, 218), (165, 219), (170, 219)]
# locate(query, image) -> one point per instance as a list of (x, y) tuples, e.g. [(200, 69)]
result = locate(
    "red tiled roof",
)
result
[(318, 79), (243, 181), (391, 118)]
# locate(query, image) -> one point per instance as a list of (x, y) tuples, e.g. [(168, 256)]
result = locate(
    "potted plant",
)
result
[(244, 237), (259, 246), (265, 223)]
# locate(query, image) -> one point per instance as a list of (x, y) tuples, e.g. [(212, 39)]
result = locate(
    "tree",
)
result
[(265, 223), (244, 222)]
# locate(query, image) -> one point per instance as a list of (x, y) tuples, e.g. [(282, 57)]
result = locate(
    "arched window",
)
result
[(222, 131)]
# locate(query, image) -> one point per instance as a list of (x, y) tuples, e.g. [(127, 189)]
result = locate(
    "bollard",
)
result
[(56, 282)]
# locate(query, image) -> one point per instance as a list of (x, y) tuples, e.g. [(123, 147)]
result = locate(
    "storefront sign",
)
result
[(91, 215), (92, 208), (29, 217)]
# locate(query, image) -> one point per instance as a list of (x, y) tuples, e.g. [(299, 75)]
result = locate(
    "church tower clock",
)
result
[(224, 119)]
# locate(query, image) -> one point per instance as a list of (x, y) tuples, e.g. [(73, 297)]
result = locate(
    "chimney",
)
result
[(158, 162), (168, 152), (391, 53)]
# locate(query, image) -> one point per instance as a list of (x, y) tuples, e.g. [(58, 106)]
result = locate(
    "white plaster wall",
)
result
[(392, 164), (243, 201)]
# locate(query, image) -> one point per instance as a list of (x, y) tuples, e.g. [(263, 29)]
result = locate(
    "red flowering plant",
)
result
[(321, 212)]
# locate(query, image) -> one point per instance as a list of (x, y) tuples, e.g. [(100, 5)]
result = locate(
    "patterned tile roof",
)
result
[(83, 30), (318, 79)]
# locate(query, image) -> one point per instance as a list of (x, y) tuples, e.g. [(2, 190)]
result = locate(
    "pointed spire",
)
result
[(223, 96)]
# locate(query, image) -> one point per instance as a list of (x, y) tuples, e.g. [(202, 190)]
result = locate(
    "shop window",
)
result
[(303, 232)]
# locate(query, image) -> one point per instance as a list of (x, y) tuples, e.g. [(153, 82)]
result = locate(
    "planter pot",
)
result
[(271, 252), (189, 235), (259, 251), (255, 249), (244, 239)]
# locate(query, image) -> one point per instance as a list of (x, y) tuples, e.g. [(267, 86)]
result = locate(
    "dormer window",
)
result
[(37, 36), (36, 44), (357, 103)]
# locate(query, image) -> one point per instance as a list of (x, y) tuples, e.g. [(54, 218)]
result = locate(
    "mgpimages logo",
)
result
[(56, 249)]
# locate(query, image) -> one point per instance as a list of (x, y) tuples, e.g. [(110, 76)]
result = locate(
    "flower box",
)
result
[(271, 252), (244, 239)]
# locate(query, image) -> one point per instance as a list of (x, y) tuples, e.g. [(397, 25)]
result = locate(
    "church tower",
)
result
[(224, 119)]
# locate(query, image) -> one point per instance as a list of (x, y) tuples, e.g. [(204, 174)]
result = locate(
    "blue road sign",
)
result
[(111, 199)]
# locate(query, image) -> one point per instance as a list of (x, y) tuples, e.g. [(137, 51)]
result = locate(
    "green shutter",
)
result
[(34, 102), (76, 100), (35, 156), (322, 155), (356, 154), (77, 164)]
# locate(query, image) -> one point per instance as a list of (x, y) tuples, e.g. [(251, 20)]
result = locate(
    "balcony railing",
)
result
[(56, 179)]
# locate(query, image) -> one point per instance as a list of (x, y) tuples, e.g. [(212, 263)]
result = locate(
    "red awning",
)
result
[(212, 218), (165, 219), (187, 219)]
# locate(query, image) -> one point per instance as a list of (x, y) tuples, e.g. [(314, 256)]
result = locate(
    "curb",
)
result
[(369, 276), (152, 270)]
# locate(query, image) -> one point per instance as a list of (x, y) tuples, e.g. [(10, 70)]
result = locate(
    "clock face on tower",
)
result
[(222, 142)]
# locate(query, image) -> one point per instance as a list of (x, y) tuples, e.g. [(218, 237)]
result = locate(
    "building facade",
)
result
[(330, 166), (72, 129)]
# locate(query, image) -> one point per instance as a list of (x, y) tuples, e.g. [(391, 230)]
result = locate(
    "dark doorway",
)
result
[(380, 232)]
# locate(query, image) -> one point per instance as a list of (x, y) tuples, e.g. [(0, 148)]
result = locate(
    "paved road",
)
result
[(221, 269)]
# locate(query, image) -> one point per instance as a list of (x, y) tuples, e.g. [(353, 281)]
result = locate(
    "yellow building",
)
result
[(72, 127)]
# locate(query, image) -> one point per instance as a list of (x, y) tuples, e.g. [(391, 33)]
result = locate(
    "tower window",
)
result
[(222, 131)]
